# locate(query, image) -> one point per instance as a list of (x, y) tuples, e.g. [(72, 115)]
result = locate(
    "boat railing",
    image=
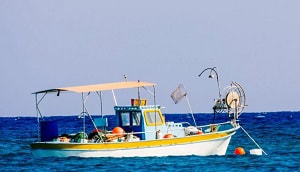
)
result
[(174, 128), (108, 136), (187, 123), (208, 125)]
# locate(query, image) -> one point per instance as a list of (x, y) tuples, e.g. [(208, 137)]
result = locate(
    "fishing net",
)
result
[(178, 94)]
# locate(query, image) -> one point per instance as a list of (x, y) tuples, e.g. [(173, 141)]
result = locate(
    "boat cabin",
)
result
[(146, 122)]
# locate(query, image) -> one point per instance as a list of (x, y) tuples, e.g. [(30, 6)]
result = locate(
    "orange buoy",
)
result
[(239, 151), (168, 136), (118, 131)]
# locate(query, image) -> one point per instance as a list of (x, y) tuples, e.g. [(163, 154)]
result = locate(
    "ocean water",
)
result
[(277, 133)]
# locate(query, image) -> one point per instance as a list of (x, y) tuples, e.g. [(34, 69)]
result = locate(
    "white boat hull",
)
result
[(201, 148)]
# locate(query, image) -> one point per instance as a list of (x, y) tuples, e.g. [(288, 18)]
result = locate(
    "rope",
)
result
[(253, 140), (187, 100)]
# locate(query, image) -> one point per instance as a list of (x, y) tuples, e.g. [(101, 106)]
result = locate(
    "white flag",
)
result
[(178, 94)]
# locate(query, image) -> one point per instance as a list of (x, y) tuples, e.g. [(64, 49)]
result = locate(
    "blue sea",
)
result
[(278, 134)]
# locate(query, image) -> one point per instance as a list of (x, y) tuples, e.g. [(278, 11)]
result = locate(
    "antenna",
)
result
[(125, 77)]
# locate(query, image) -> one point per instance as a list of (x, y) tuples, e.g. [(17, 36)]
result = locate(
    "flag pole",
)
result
[(177, 96), (188, 102)]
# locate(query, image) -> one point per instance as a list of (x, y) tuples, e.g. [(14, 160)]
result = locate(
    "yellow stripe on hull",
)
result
[(129, 145)]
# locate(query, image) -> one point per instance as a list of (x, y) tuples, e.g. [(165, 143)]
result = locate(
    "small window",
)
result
[(153, 118), (125, 118), (136, 118)]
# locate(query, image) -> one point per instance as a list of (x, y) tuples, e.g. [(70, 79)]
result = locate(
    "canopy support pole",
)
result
[(101, 106), (114, 96), (83, 110), (38, 113), (154, 100), (139, 96), (148, 91), (38, 118)]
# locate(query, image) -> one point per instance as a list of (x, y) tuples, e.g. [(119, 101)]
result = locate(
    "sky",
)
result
[(51, 44)]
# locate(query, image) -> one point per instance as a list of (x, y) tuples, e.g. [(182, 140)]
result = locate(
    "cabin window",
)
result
[(136, 118), (125, 117), (153, 118)]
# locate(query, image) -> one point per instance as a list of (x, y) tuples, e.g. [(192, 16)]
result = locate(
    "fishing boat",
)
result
[(141, 128)]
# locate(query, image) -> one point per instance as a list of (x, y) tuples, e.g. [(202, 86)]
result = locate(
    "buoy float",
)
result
[(239, 151), (118, 131), (256, 151)]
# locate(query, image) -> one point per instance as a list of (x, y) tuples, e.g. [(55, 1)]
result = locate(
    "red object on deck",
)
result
[(168, 136)]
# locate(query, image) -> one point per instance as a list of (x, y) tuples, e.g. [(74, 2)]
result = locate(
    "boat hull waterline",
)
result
[(199, 145)]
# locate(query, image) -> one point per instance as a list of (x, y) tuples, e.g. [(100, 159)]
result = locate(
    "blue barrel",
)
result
[(49, 130)]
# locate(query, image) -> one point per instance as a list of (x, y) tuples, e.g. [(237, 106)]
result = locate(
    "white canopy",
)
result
[(100, 87)]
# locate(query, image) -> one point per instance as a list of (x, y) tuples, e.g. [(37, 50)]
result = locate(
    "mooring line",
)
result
[(253, 140)]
